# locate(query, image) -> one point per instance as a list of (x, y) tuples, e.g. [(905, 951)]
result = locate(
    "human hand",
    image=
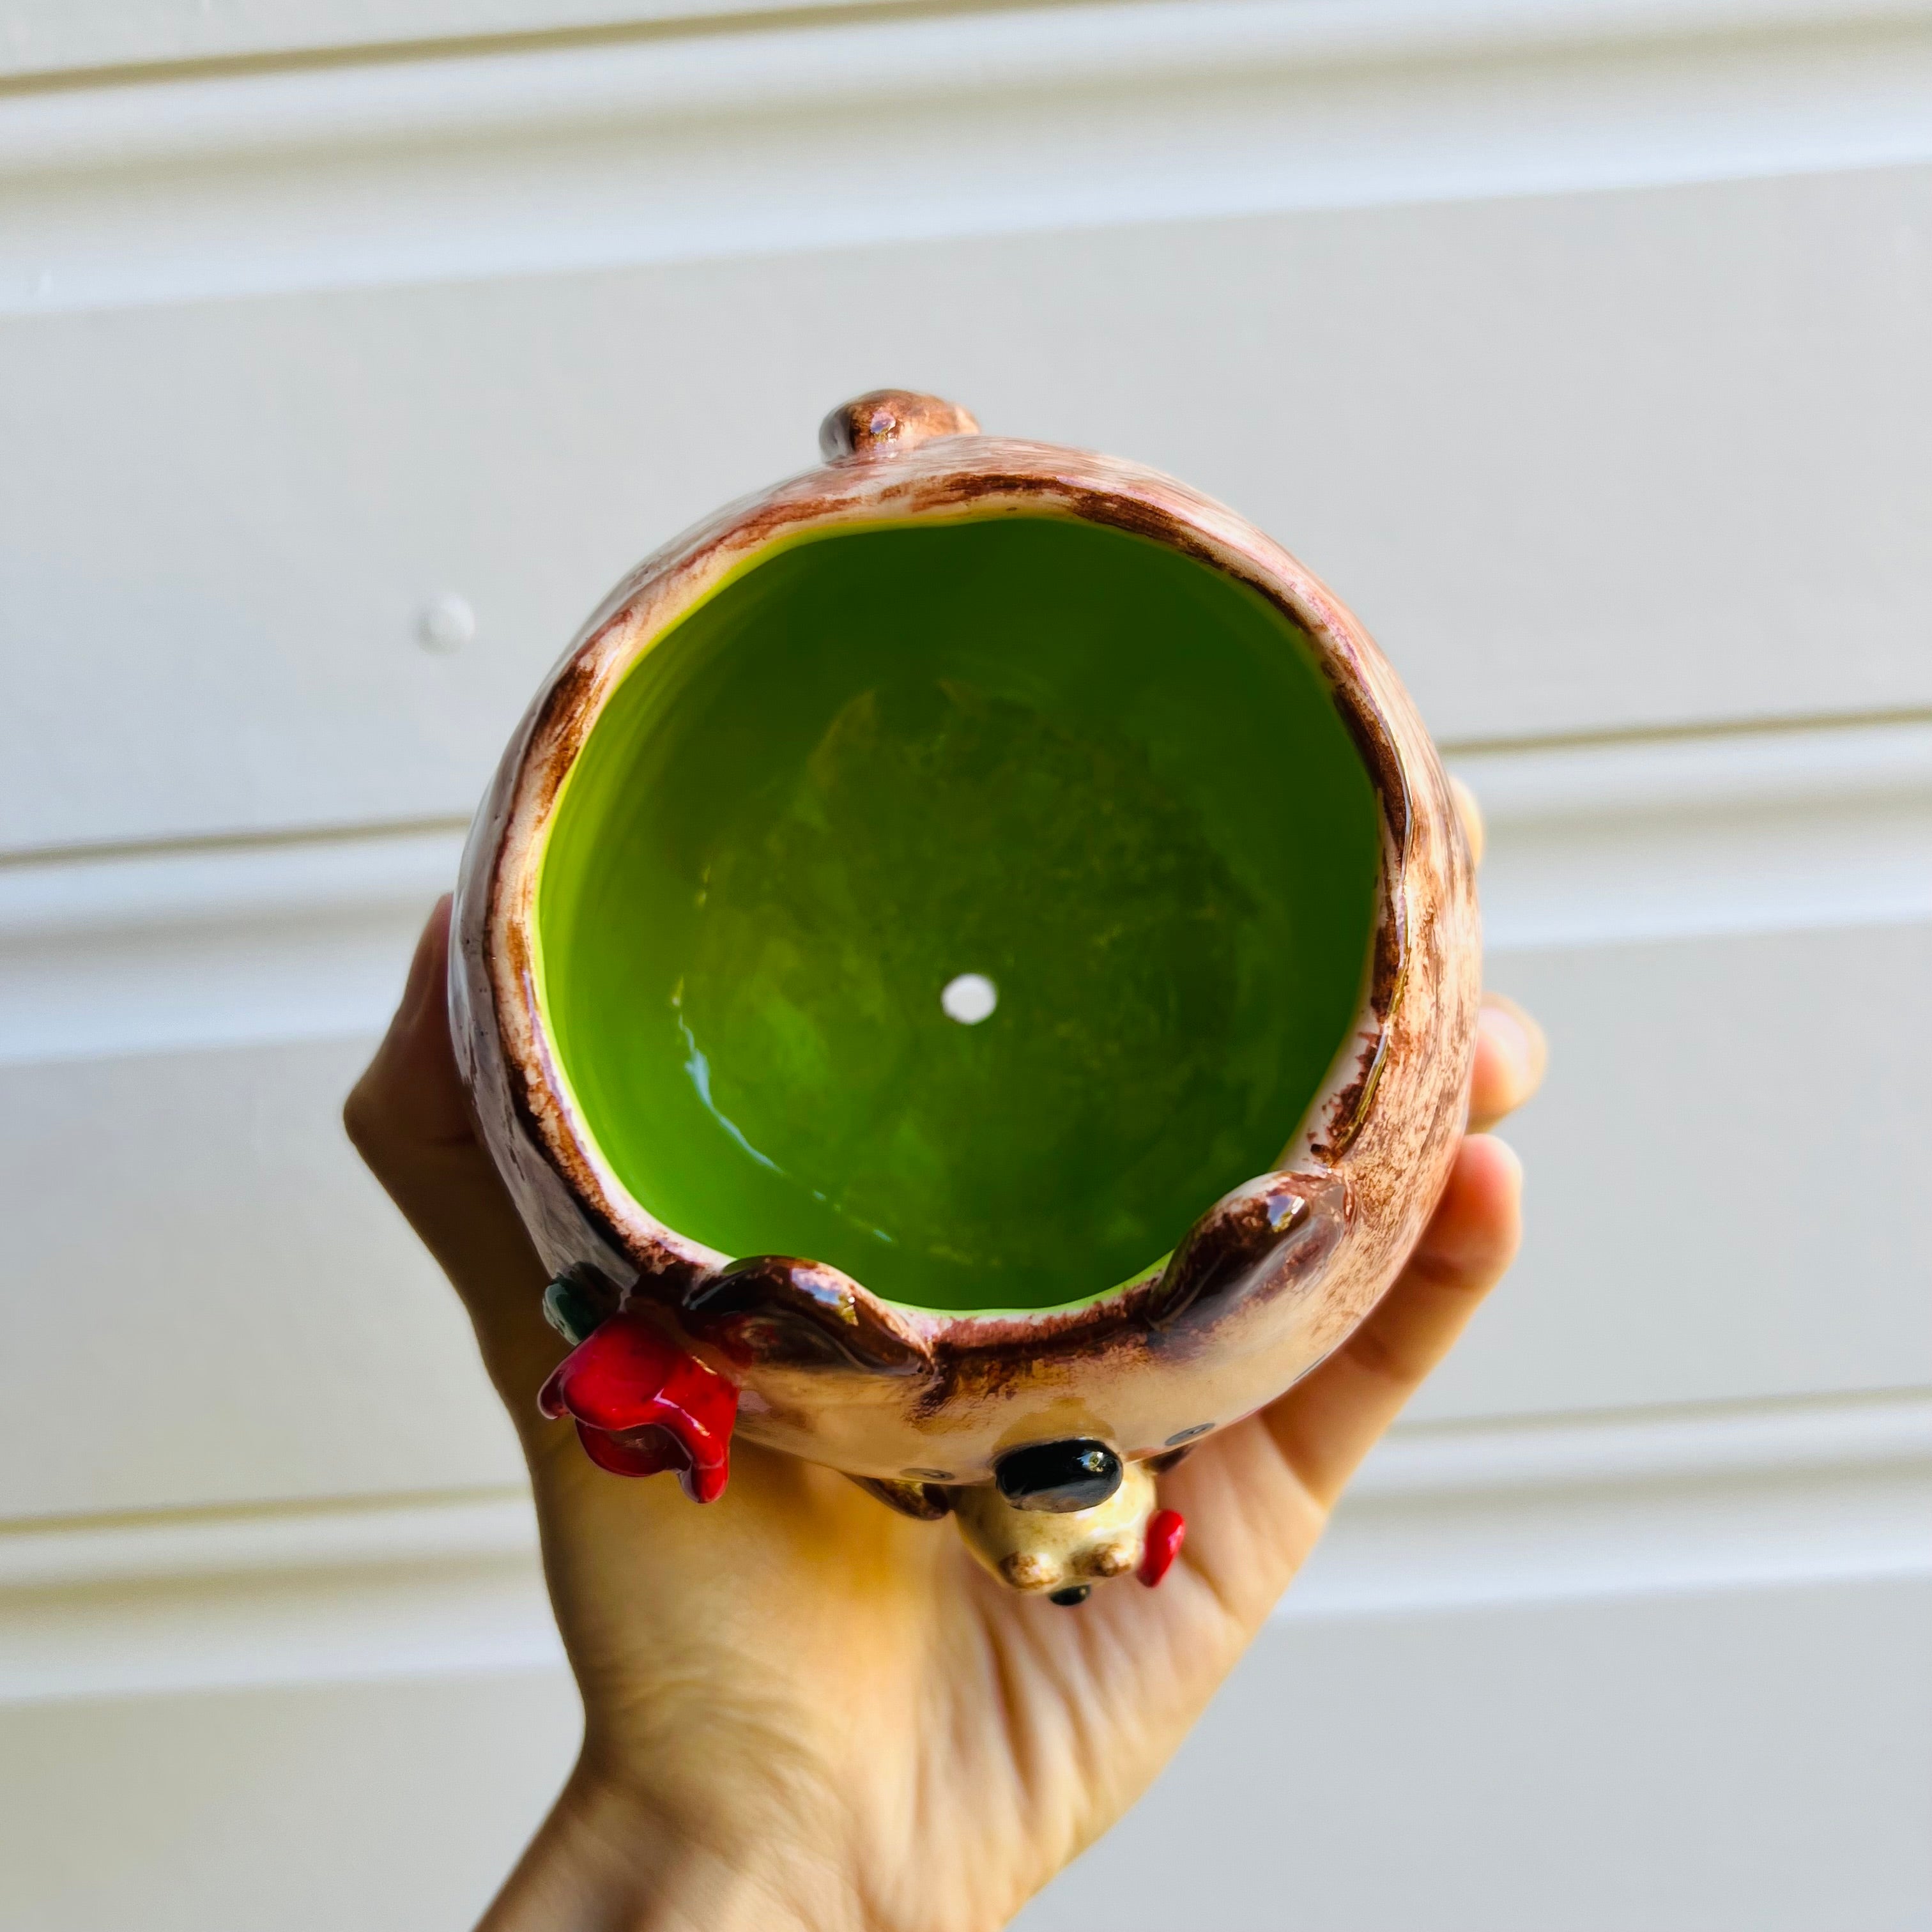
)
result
[(802, 1709)]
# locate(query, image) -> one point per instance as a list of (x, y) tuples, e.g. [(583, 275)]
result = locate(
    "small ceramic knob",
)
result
[(887, 421)]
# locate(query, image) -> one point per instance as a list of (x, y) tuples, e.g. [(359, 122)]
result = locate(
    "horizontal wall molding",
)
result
[(165, 1549), (862, 128), (1463, 1517), (44, 39), (442, 1588), (1442, 1519), (214, 945), (1690, 837)]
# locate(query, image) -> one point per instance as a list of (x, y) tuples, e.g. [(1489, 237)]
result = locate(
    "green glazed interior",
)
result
[(1105, 777)]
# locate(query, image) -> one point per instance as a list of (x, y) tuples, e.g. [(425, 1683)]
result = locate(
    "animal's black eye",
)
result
[(1059, 1476)]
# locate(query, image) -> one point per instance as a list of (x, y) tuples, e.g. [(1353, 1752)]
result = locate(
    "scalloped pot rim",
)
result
[(957, 478)]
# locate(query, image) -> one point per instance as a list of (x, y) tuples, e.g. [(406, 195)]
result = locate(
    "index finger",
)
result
[(409, 1119)]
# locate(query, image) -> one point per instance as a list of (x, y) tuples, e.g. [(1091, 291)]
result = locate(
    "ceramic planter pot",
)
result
[(969, 969)]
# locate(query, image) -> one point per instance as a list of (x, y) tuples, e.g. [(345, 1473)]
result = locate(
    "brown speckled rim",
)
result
[(960, 478)]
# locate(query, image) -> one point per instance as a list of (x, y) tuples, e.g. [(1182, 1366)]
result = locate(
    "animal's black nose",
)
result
[(1060, 1477)]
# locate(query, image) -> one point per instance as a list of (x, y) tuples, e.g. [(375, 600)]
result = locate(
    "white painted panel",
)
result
[(1756, 1763), (389, 1808), (919, 121), (206, 1301), (228, 943), (1717, 1209), (1648, 1503), (1721, 1197), (1582, 462), (1705, 1763), (1717, 1213)]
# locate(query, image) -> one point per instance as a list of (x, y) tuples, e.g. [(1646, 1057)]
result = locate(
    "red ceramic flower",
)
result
[(642, 1404)]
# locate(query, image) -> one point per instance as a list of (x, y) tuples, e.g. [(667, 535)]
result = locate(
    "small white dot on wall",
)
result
[(446, 624), (970, 999)]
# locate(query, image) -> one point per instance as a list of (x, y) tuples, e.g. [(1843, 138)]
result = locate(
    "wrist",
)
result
[(608, 1861)]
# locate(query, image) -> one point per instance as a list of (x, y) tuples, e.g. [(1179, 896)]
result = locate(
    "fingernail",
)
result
[(1515, 1159), (1517, 1037)]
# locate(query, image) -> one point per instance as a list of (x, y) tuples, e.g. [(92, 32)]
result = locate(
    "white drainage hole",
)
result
[(970, 999)]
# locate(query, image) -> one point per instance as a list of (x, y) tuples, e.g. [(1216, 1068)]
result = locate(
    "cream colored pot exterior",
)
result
[(1267, 1282)]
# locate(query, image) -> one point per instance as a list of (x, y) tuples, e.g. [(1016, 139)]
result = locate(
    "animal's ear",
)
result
[(779, 1312), (1272, 1234)]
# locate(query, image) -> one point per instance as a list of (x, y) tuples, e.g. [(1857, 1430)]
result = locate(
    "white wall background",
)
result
[(1584, 345)]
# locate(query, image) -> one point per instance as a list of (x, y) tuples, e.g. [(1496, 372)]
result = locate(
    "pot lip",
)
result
[(958, 477)]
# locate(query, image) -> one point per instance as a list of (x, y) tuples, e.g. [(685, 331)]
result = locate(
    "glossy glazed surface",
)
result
[(966, 904), (1261, 1288)]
